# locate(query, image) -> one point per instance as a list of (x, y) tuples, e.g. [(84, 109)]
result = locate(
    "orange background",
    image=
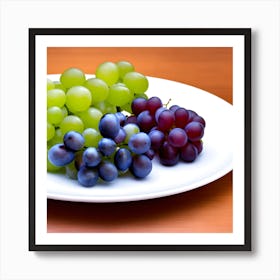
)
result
[(206, 209)]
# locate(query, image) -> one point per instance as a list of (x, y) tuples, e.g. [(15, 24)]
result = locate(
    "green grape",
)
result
[(64, 111), (127, 107), (78, 99), (50, 131), (54, 115), (124, 67), (71, 123), (50, 84), (98, 88), (56, 97), (108, 72), (136, 82), (143, 95), (71, 170), (92, 137), (72, 77), (59, 85), (58, 138), (91, 117), (130, 129), (119, 95), (105, 107)]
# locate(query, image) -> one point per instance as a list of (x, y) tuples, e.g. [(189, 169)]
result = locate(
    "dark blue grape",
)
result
[(107, 146), (123, 159), (121, 136), (157, 138), (92, 157), (73, 140), (139, 143), (121, 117), (168, 155), (58, 155), (87, 177), (109, 126), (141, 166), (107, 171)]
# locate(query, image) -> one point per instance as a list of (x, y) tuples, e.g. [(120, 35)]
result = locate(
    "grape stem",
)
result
[(165, 105)]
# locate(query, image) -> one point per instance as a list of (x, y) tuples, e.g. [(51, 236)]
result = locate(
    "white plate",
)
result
[(214, 162)]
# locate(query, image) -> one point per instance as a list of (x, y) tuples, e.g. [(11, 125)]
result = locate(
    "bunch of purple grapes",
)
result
[(122, 148), (176, 133)]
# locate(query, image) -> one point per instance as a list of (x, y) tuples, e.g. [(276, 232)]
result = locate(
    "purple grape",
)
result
[(173, 108), (130, 119), (73, 140), (168, 155), (177, 137), (194, 130), (199, 119), (109, 126), (87, 177), (181, 117), (165, 120), (141, 166), (139, 143), (107, 146), (153, 104), (91, 157), (146, 121), (157, 138), (150, 154), (198, 145), (158, 111), (192, 114), (138, 105), (189, 152), (120, 137), (121, 117), (59, 155), (123, 159), (79, 160), (107, 171)]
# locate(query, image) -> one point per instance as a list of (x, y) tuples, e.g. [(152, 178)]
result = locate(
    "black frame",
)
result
[(246, 32)]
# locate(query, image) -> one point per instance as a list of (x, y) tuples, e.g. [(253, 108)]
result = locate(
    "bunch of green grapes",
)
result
[(77, 103)]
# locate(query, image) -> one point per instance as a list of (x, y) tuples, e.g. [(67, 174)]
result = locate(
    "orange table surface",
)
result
[(206, 209)]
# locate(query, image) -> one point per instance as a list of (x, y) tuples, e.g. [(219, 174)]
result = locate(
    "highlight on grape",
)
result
[(103, 127)]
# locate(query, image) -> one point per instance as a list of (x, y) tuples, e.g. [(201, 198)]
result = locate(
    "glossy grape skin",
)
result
[(157, 138), (165, 120), (91, 117), (87, 177), (119, 95), (91, 157), (123, 159), (71, 122), (139, 143), (138, 105), (107, 146), (136, 82), (73, 140), (71, 170), (92, 137), (150, 154), (54, 115), (108, 72), (146, 121), (120, 137), (158, 112), (58, 155), (124, 67), (194, 130), (200, 120), (98, 88), (130, 129), (188, 153), (56, 97), (50, 84), (181, 116), (177, 137), (130, 119), (105, 107), (121, 117), (72, 77), (198, 145), (173, 108), (168, 154), (153, 103), (107, 171), (141, 166), (109, 126), (50, 131)]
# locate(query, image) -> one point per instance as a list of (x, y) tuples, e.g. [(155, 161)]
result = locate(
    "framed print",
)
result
[(140, 139)]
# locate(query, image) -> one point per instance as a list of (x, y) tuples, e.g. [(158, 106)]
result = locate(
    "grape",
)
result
[(153, 104), (146, 121), (91, 157), (139, 143), (98, 88), (73, 140), (54, 115), (168, 154), (109, 126), (50, 131), (138, 105), (59, 85), (64, 111), (105, 107), (71, 122), (130, 129), (119, 95), (108, 72), (192, 114), (87, 177), (107, 146), (173, 108), (141, 166), (199, 119), (150, 154), (177, 137), (157, 138), (181, 117), (51, 167), (57, 138), (158, 111), (198, 145), (130, 119), (194, 130), (56, 97), (78, 99), (189, 152), (107, 171), (72, 77), (165, 120), (123, 159), (92, 137), (127, 107), (71, 170), (136, 82), (124, 67), (50, 84), (120, 137), (121, 117), (91, 118), (60, 156), (78, 161)]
